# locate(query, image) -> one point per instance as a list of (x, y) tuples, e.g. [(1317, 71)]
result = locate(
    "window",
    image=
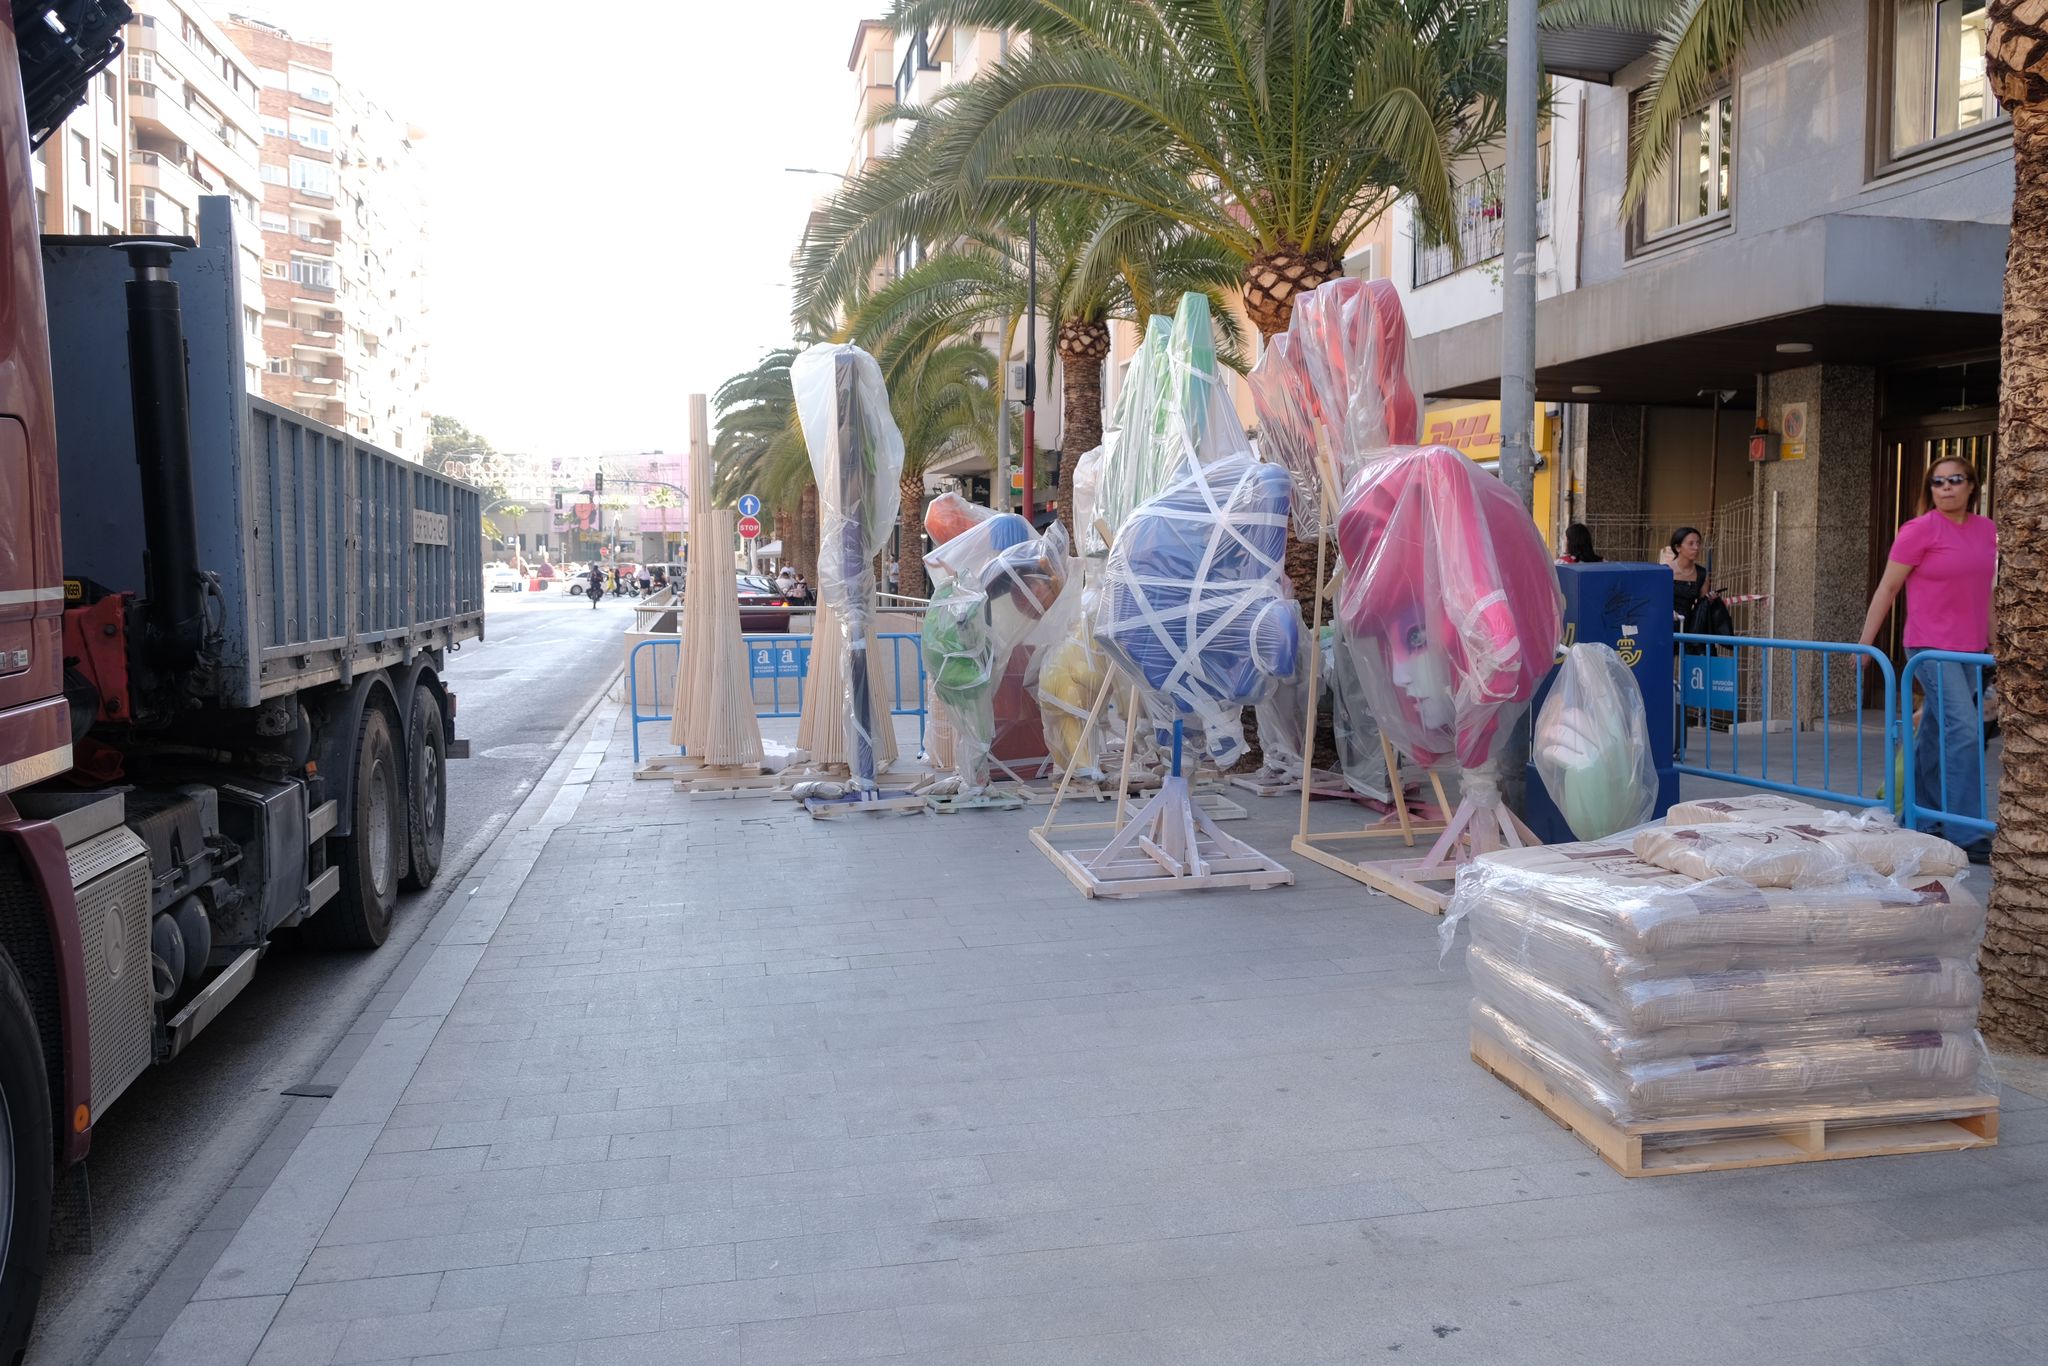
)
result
[(42, 208), (273, 175), (1480, 227), (314, 86), (276, 270), (273, 126), (1938, 86), (311, 134), (277, 365), (81, 222), (276, 222), (313, 271), (107, 84), (313, 177), (1695, 185), (111, 166), (82, 153)]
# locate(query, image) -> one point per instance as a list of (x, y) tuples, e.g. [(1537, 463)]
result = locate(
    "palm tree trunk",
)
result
[(1272, 283), (807, 535), (910, 537), (1083, 346), (785, 530), (2015, 953)]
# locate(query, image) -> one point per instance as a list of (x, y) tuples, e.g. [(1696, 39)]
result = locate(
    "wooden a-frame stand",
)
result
[(1170, 844), (1475, 827)]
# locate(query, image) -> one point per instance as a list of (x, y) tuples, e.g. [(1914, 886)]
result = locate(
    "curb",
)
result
[(226, 1318)]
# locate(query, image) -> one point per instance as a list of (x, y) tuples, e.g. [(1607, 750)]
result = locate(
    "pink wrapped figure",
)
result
[(1450, 604)]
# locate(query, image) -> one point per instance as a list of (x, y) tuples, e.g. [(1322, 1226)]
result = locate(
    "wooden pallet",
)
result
[(883, 803), (973, 801), (1763, 1138)]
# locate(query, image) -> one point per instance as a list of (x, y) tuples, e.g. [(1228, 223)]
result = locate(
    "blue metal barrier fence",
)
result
[(1951, 726), (773, 660), (1736, 694)]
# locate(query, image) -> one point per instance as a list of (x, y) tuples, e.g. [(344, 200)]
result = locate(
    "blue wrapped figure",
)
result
[(1194, 608)]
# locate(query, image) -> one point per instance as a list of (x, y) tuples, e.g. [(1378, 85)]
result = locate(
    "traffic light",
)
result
[(600, 483)]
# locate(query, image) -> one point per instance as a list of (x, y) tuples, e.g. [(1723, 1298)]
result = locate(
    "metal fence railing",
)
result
[(1954, 760), (777, 667)]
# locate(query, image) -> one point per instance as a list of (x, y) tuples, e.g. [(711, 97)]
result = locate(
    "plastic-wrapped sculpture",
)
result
[(1338, 377), (995, 585), (1592, 745), (856, 458), (1192, 603), (1449, 603)]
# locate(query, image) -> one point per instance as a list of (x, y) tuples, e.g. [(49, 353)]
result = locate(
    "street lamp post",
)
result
[(1518, 319)]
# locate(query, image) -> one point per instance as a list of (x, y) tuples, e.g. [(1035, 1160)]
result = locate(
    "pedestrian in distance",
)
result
[(1946, 560), (596, 590), (1578, 546), (895, 573)]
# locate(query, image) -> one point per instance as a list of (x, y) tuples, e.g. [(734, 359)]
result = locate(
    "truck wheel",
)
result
[(373, 855), (25, 1166), (426, 804)]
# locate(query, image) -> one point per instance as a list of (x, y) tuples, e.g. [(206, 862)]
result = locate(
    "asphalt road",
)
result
[(183, 1131)]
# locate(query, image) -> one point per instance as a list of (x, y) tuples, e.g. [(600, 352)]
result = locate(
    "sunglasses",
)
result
[(1948, 481)]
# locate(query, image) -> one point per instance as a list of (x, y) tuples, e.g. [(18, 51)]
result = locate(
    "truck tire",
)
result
[(372, 856), (426, 806), (25, 1166)]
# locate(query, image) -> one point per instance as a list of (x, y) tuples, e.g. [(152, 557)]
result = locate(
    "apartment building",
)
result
[(343, 244), (1824, 255), (81, 172)]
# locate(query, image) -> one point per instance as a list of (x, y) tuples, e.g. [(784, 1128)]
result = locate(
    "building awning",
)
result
[(1851, 289), (1592, 52), (969, 461)]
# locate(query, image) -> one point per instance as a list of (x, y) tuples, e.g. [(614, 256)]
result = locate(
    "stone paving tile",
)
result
[(939, 1111)]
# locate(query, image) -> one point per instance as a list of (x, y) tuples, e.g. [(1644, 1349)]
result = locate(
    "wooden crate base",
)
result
[(1140, 874), (1396, 877), (974, 801), (1765, 1138), (1265, 785), (883, 803)]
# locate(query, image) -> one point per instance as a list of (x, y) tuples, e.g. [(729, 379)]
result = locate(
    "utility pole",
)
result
[(1031, 366), (999, 486), (1518, 323), (1518, 303)]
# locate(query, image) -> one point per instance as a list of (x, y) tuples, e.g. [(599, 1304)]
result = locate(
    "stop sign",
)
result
[(750, 527)]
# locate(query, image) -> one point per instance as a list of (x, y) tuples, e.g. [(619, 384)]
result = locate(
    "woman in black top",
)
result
[(1578, 545), (1688, 579)]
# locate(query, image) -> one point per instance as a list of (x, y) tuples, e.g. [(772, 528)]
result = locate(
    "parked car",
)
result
[(500, 579), (763, 605)]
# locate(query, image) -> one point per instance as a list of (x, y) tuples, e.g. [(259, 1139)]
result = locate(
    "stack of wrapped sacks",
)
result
[(1654, 982)]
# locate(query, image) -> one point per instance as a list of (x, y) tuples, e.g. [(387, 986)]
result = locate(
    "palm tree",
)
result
[(943, 402), (1277, 130), (757, 445), (1096, 264)]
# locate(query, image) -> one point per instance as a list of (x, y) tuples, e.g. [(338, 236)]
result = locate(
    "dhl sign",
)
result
[(1474, 428)]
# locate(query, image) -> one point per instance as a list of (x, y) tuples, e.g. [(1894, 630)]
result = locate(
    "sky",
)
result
[(611, 220)]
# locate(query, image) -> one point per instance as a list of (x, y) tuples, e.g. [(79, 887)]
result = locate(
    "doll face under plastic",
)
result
[(1420, 671)]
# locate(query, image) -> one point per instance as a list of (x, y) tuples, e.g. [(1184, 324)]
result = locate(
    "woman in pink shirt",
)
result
[(1946, 560)]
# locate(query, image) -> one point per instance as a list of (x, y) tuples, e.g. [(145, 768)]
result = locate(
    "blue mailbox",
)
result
[(1627, 606)]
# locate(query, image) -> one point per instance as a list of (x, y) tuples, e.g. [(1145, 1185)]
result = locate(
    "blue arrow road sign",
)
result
[(750, 506)]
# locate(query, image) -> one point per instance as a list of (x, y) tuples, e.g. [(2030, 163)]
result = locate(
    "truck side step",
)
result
[(186, 1024), (321, 821), (321, 889), (458, 749)]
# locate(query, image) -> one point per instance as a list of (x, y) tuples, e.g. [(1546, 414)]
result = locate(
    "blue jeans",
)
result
[(1948, 748)]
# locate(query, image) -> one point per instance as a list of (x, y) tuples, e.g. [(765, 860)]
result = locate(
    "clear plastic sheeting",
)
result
[(1336, 380), (949, 515), (1797, 855), (856, 460), (1282, 715), (1174, 413), (1772, 808), (1655, 996), (1592, 744), (1070, 674), (1193, 608), (1449, 602), (1085, 491), (995, 587), (1361, 758)]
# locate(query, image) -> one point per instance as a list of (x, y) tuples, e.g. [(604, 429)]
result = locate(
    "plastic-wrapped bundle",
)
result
[(1360, 756), (1797, 855), (1337, 376), (1569, 1024), (1174, 413), (1192, 605), (1282, 716), (949, 515), (994, 585), (857, 461), (1592, 745), (1658, 916), (1925, 1066), (1449, 601), (1085, 489), (1070, 673), (1772, 808)]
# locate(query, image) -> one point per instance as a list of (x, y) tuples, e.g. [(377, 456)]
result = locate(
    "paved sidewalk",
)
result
[(710, 1083)]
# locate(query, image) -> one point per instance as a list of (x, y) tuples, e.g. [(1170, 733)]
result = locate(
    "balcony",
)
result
[(159, 111), (1480, 228), (156, 171), (324, 343)]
